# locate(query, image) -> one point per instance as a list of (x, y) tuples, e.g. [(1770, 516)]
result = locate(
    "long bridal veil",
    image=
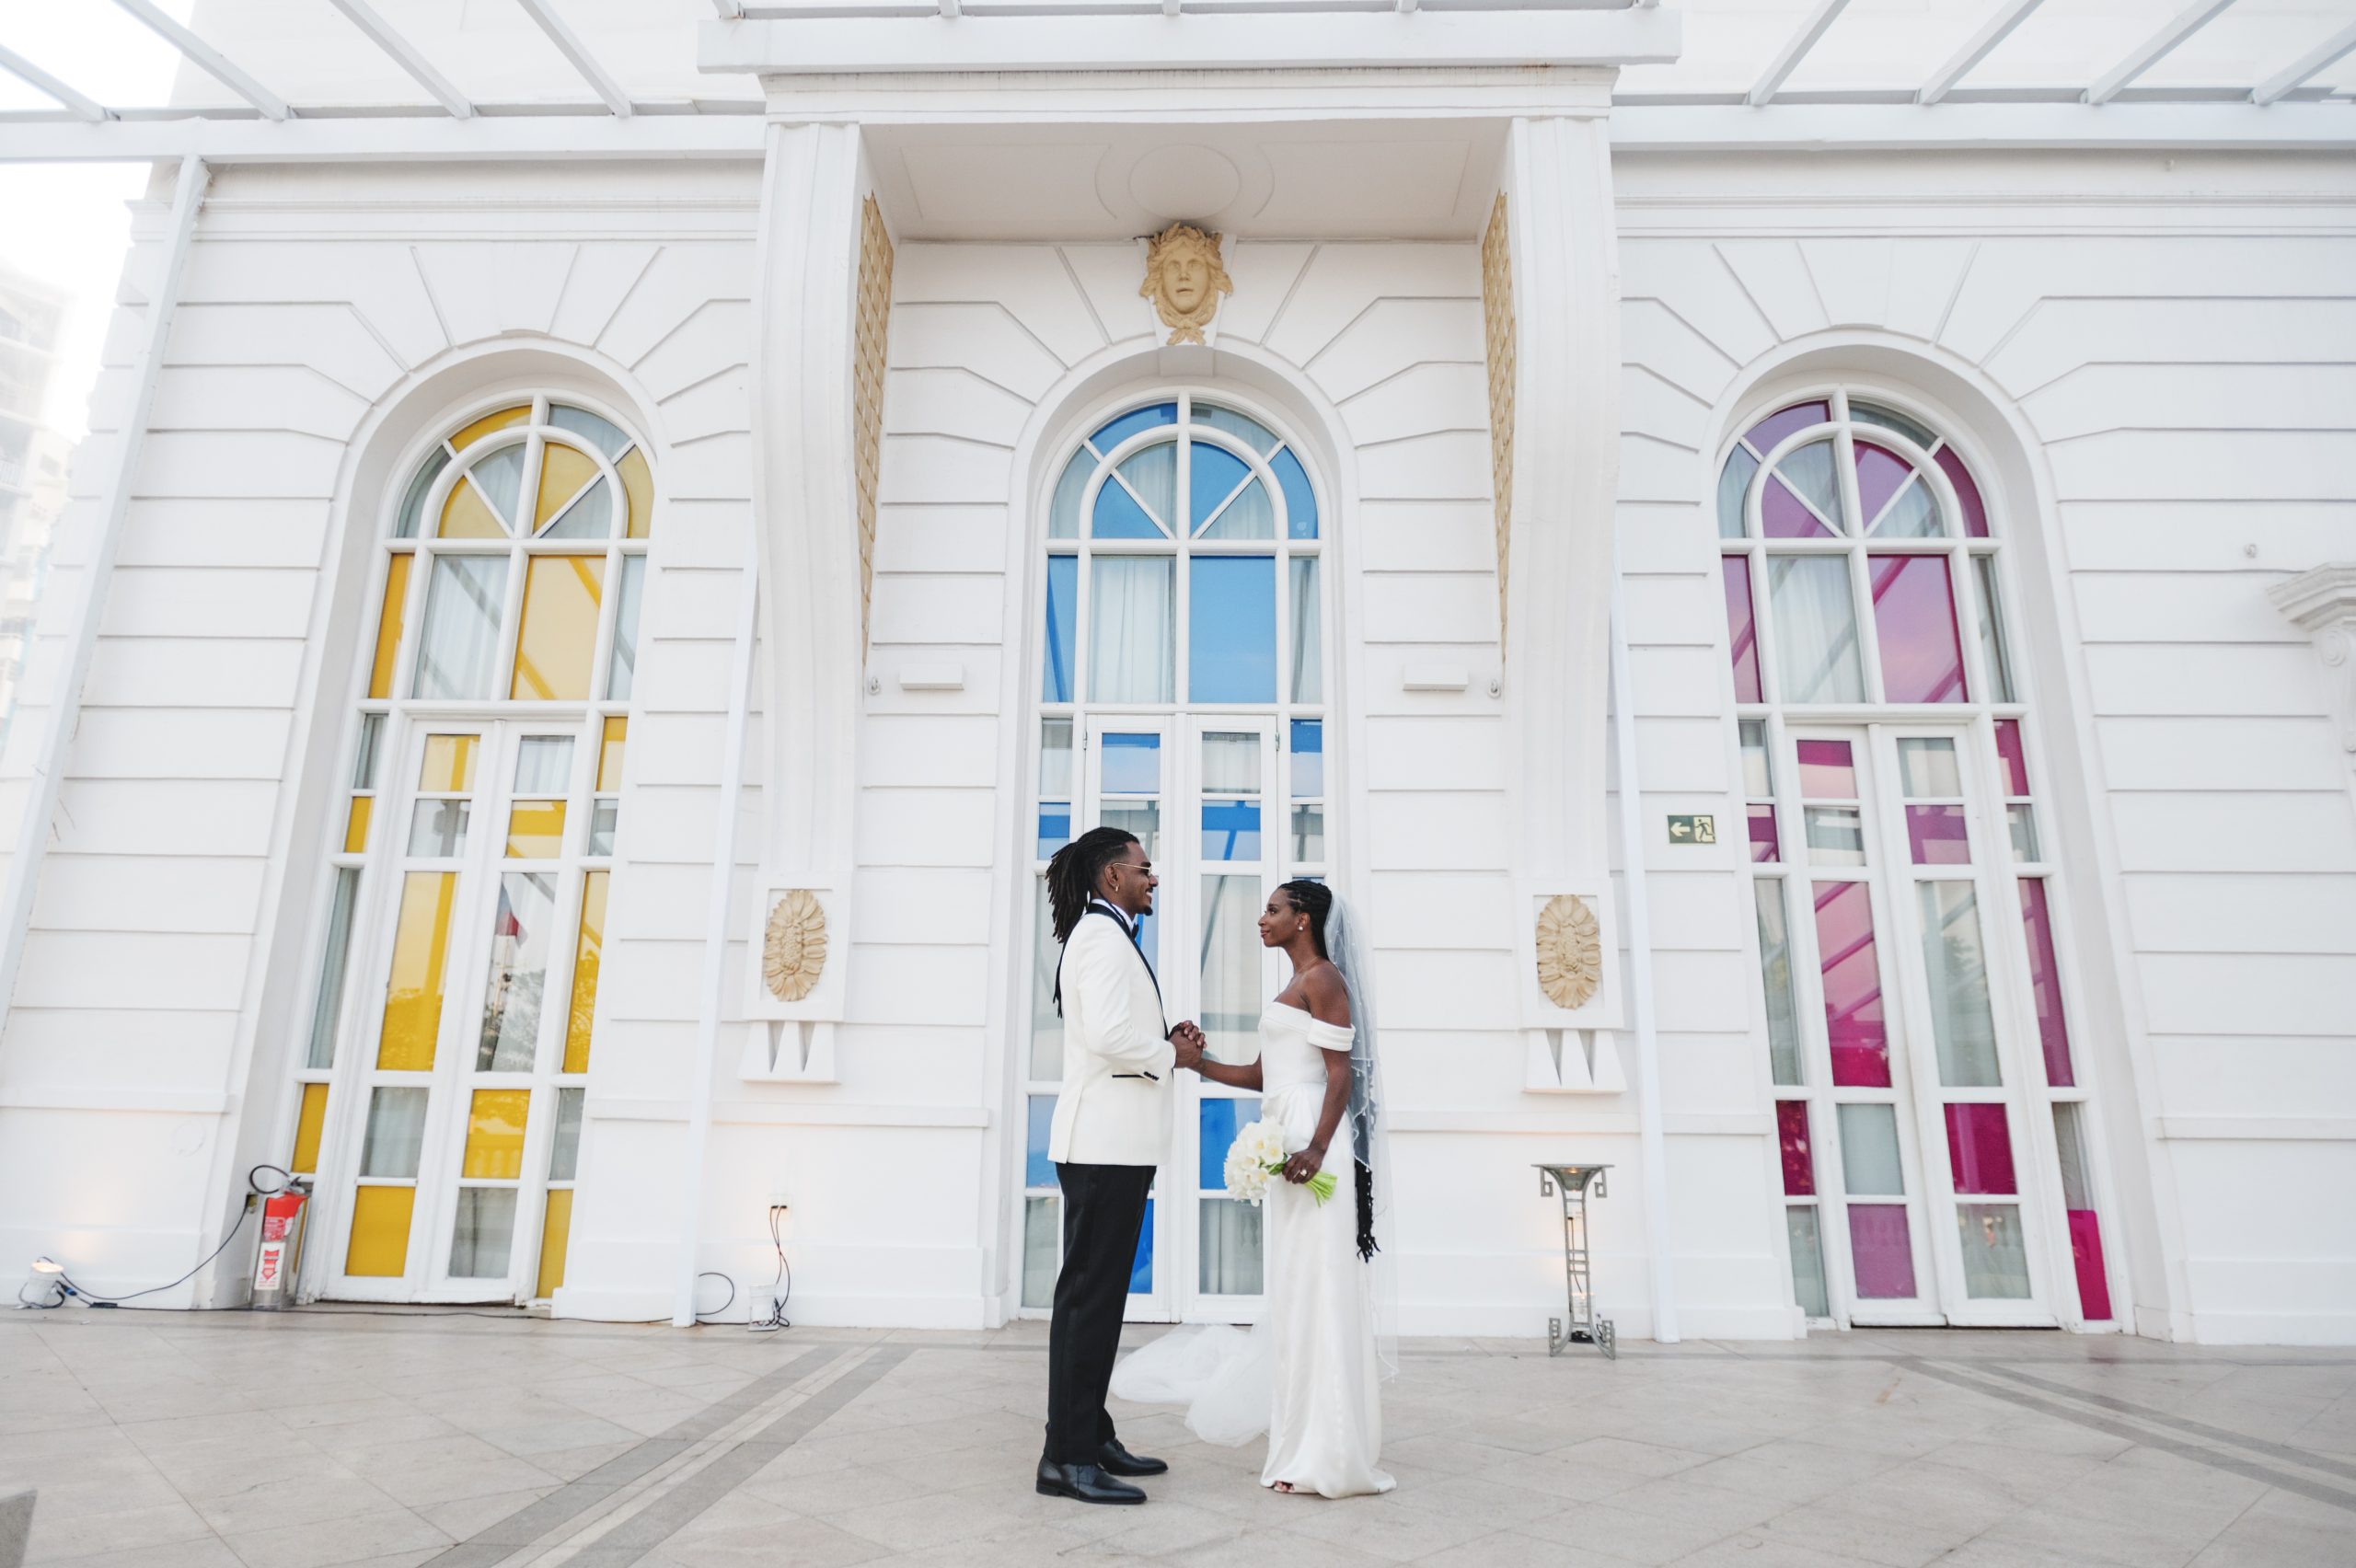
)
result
[(1224, 1375)]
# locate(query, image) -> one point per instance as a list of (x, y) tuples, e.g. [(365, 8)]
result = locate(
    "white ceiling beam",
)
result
[(730, 10), (2291, 75), (1788, 58), (385, 36), (585, 133), (32, 75), (207, 59), (569, 46), (2156, 48), (2009, 15)]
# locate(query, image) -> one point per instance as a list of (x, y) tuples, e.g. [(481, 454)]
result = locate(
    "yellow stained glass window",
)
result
[(420, 960), (355, 827), (609, 756), (495, 1133), (379, 1232), (584, 972), (449, 764), (503, 420), (307, 1126), (560, 633), (388, 626), (556, 1234), (466, 515), (639, 485), (564, 470), (536, 830)]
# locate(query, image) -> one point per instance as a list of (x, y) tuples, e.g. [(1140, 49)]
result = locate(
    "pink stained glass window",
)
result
[(1853, 1008), (1764, 844), (1980, 1149), (2008, 751), (1742, 629), (1799, 1165), (1975, 511), (2086, 1251), (1783, 421), (1915, 621), (1881, 1251), (1937, 835), (1782, 515), (1828, 771), (1880, 475), (2045, 983)]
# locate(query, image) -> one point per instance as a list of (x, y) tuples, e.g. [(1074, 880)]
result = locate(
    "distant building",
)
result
[(33, 460)]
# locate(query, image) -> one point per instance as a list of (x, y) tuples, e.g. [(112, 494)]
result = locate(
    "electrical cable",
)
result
[(782, 1287), (253, 1188), (716, 1311)]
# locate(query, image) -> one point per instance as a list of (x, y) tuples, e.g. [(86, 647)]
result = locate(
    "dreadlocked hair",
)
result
[(1315, 900), (1072, 873)]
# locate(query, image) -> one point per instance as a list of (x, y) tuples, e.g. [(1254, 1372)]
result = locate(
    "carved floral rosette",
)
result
[(793, 946), (1569, 952)]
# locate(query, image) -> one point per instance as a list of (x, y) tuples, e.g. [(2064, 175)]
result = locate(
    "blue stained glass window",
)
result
[(1063, 605), (1254, 435), (1055, 828), (1216, 475), (1231, 629), (1149, 940), (1220, 1119), (1308, 759), (1230, 830), (1038, 1171), (1300, 502), (1141, 1269), (1114, 432), (1132, 764), (1062, 516), (1118, 516)]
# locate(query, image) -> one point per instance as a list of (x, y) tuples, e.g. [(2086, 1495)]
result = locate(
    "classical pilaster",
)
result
[(2321, 601), (1556, 562), (806, 519)]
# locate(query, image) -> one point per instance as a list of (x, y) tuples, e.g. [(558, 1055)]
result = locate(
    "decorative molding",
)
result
[(1496, 315), (2322, 603), (2286, 1129), (1569, 956), (1184, 277), (793, 949), (866, 389)]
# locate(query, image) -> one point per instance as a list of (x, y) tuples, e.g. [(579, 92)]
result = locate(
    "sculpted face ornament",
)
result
[(1184, 277)]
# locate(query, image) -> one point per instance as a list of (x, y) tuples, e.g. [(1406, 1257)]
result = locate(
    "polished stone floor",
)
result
[(323, 1437)]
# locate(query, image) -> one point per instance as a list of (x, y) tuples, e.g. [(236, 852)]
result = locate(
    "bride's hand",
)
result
[(1304, 1165)]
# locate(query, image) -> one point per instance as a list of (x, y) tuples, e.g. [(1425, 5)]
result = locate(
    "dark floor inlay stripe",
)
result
[(2283, 1451), (533, 1520)]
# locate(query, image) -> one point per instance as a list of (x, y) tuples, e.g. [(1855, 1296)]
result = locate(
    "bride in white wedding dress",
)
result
[(1310, 1375)]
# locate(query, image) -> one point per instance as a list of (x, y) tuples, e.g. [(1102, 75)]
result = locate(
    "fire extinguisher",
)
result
[(280, 1253)]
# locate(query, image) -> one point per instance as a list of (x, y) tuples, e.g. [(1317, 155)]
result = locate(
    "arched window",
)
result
[(1183, 696), (1934, 1142), (466, 909)]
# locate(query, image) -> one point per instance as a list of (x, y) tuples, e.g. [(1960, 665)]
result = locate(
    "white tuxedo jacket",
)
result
[(1109, 1111)]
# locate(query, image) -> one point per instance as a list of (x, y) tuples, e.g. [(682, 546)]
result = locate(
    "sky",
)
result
[(68, 224)]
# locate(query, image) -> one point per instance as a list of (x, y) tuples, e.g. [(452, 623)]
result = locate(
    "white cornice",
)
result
[(2321, 602)]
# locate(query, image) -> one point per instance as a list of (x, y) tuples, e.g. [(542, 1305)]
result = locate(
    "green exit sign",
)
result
[(1692, 830)]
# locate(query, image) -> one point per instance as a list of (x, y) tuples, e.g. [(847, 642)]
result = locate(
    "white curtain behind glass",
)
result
[(1307, 635), (461, 634), (1816, 629), (1132, 647)]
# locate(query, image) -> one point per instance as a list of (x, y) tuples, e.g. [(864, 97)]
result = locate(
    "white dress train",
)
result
[(1308, 1374)]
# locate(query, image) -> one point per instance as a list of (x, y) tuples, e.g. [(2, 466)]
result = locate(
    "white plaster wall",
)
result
[(2157, 353), (327, 314)]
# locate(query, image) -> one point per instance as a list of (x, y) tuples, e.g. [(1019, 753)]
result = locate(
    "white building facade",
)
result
[(1818, 634)]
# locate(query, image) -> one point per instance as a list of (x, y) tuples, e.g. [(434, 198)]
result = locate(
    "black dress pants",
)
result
[(1103, 1211)]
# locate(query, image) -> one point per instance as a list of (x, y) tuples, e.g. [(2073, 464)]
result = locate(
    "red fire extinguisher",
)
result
[(280, 1253)]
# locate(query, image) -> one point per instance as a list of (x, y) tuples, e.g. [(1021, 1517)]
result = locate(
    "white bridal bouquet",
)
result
[(1258, 1153)]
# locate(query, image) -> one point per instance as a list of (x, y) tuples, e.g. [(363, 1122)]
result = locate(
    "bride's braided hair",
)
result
[(1315, 900)]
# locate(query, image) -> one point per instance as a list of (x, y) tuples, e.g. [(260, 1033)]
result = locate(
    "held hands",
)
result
[(1188, 1040)]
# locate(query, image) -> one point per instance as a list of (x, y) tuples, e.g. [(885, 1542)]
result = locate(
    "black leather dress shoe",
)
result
[(1084, 1483), (1117, 1461)]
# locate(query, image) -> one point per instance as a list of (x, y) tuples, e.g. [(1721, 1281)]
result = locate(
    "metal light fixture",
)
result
[(49, 1276)]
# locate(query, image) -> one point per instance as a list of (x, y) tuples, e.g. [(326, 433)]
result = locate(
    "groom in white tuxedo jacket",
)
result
[(1111, 1129)]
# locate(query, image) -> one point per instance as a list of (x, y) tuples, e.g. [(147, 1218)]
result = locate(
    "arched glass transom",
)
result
[(1935, 1143)]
